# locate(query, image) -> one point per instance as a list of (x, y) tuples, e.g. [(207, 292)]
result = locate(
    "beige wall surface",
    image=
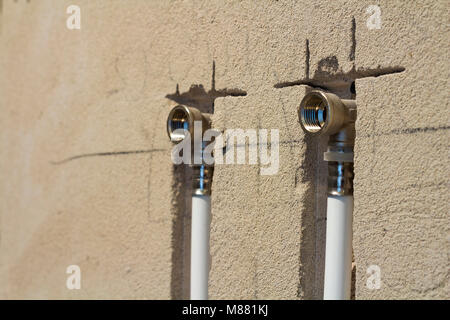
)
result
[(85, 171)]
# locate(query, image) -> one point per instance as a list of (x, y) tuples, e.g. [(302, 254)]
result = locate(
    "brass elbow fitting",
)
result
[(182, 117), (324, 113), (190, 119)]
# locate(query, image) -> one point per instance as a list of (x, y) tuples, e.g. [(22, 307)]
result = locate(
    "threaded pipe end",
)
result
[(314, 112), (313, 117), (178, 119)]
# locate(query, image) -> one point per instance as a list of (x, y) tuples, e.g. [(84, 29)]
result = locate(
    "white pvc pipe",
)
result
[(201, 212), (338, 255)]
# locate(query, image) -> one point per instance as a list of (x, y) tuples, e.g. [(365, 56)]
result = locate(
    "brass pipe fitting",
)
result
[(324, 113), (182, 117), (187, 118)]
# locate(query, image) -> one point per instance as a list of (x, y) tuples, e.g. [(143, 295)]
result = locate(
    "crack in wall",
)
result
[(329, 76), (201, 99), (331, 81), (103, 154)]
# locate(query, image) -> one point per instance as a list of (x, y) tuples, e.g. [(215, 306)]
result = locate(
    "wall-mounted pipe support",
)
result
[(181, 121), (323, 113)]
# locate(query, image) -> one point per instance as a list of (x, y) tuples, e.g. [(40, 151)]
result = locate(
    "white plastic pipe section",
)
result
[(200, 226), (338, 254)]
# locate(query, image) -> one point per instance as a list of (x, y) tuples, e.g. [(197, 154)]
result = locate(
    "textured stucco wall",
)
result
[(85, 167), (402, 164)]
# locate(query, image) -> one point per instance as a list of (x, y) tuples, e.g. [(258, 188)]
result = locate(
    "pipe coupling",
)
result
[(340, 178), (201, 180), (181, 122), (324, 113), (184, 118)]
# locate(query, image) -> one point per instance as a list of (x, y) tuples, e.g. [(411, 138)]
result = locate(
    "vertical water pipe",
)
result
[(184, 122), (323, 113)]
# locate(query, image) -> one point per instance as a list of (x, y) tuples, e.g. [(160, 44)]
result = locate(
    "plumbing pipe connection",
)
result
[(193, 123), (201, 218), (324, 113), (338, 257), (187, 119)]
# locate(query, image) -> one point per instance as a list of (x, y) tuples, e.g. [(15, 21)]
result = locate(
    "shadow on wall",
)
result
[(203, 100), (312, 243), (329, 77)]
